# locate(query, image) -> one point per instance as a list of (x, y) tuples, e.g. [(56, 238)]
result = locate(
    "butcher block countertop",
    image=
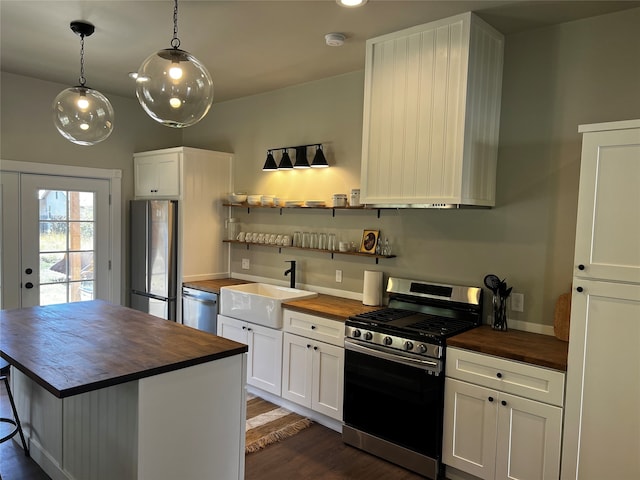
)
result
[(213, 286), (335, 308), (74, 348), (534, 348)]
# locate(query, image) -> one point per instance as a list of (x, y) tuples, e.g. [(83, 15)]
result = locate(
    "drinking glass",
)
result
[(331, 242), (322, 241), (306, 240), (297, 239), (313, 240)]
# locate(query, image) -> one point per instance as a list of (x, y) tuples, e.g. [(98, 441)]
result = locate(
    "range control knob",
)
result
[(422, 348), (356, 333), (408, 345), (388, 340), (368, 336)]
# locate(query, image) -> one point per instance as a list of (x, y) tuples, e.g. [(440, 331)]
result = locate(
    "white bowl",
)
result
[(254, 199), (237, 197), (267, 200)]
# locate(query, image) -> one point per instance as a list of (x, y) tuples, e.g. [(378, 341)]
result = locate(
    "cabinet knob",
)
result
[(490, 399), (308, 346), (499, 375), (315, 348), (504, 403), (28, 285), (580, 289), (28, 271), (313, 327), (580, 267)]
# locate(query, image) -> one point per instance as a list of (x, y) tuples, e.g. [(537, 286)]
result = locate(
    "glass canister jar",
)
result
[(233, 228)]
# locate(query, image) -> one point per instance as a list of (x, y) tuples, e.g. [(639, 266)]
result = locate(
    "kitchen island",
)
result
[(107, 392)]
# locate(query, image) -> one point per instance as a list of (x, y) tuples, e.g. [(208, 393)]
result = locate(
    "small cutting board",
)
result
[(562, 316)]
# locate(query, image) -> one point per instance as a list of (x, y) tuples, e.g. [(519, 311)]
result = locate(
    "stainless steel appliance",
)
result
[(199, 309), (394, 371), (154, 255)]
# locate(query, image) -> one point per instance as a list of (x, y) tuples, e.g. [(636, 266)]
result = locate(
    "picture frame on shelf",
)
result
[(369, 241)]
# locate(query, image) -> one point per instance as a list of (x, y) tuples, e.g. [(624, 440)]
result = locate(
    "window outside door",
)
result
[(63, 243)]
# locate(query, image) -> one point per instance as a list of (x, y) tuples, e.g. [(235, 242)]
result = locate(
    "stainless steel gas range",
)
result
[(394, 371)]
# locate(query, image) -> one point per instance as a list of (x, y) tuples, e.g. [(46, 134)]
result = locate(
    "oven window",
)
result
[(398, 403)]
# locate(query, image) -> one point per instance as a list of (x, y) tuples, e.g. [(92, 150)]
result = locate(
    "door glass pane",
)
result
[(51, 294), (67, 246)]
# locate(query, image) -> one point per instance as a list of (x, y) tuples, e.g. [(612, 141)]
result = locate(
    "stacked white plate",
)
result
[(293, 203), (315, 203)]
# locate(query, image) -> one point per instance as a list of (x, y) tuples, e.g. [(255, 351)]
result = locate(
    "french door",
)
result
[(56, 240)]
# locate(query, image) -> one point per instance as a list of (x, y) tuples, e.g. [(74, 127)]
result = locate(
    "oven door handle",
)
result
[(429, 365)]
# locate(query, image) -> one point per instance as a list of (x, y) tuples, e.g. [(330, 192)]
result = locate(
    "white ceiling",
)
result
[(249, 47)]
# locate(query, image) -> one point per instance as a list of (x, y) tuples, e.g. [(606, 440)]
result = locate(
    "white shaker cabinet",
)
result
[(601, 436), (199, 180), (608, 222), (264, 359), (431, 114), (502, 419), (157, 174), (313, 363)]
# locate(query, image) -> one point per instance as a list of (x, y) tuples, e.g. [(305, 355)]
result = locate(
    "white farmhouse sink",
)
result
[(259, 303)]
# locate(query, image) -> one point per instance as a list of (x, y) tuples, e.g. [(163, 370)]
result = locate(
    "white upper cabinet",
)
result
[(608, 222), (431, 114), (157, 175)]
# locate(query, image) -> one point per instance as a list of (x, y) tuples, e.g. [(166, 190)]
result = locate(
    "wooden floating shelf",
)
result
[(291, 247), (302, 207)]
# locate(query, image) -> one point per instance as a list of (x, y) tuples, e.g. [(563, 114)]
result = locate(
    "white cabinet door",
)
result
[(157, 175), (297, 371), (313, 374), (264, 369), (602, 413), (328, 379), (232, 329), (264, 356), (470, 435), (528, 442), (608, 222)]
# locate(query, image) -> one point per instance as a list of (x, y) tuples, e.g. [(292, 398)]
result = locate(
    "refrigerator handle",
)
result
[(147, 255)]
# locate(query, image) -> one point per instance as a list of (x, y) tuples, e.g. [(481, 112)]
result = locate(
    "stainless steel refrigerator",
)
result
[(154, 252)]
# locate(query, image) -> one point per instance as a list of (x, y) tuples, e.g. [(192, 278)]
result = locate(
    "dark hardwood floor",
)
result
[(319, 453), (315, 453)]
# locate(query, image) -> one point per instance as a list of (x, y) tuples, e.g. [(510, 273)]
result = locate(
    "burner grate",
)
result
[(385, 315), (440, 326)]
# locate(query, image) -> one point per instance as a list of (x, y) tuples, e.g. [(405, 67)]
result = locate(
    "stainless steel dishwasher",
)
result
[(199, 309)]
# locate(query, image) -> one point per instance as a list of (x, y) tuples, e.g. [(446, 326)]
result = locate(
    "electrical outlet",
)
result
[(517, 302), (339, 276), (245, 264)]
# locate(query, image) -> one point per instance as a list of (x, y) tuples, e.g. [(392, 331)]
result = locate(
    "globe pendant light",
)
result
[(82, 115), (173, 86)]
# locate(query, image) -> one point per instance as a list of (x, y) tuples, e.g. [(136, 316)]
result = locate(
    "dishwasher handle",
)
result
[(197, 298)]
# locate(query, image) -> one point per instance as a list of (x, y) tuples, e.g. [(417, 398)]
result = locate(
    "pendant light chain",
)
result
[(175, 41), (82, 79)]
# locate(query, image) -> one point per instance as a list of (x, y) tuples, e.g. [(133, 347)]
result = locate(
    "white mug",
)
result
[(241, 236)]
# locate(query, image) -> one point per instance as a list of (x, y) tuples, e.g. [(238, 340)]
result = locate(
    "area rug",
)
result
[(268, 423)]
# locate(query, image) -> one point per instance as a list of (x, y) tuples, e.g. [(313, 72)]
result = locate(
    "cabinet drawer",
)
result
[(529, 381), (314, 327)]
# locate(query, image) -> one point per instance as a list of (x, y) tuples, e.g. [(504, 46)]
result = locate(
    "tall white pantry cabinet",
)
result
[(602, 409)]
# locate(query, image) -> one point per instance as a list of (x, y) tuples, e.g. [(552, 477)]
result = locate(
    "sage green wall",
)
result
[(554, 80)]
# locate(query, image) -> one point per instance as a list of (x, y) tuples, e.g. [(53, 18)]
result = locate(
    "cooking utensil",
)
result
[(492, 282)]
